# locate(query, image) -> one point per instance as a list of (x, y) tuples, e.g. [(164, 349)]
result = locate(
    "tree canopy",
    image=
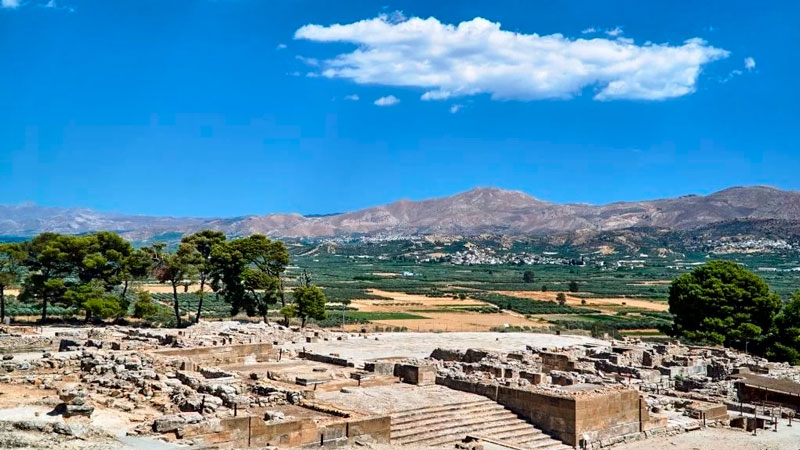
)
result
[(247, 272), (309, 303), (528, 276), (721, 302), (11, 258), (785, 340), (174, 268), (92, 273), (203, 243)]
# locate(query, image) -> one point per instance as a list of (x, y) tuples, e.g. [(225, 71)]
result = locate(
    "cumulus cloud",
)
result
[(393, 17), (280, 46), (455, 108), (589, 30), (388, 100), (749, 63), (478, 57), (9, 3), (352, 97), (616, 31)]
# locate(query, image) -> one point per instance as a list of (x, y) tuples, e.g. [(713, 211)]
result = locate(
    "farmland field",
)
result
[(386, 285)]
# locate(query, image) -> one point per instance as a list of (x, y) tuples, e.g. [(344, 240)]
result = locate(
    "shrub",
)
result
[(144, 306)]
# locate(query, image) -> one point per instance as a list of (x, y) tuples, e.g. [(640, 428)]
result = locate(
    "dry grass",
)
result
[(457, 321), (598, 303), (435, 318)]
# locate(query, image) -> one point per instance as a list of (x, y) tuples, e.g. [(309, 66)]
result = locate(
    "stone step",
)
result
[(464, 422), (549, 444), (455, 432), (400, 415), (544, 442), (405, 422), (448, 420), (410, 416), (486, 431), (528, 435), (448, 424)]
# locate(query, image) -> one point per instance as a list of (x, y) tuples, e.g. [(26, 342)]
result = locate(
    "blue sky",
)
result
[(232, 107)]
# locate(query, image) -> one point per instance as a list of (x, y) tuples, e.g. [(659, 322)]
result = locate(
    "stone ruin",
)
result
[(236, 385)]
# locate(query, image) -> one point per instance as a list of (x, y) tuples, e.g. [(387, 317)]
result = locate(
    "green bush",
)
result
[(144, 306)]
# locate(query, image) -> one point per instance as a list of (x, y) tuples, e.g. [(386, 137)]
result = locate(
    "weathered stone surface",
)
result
[(166, 424), (78, 410)]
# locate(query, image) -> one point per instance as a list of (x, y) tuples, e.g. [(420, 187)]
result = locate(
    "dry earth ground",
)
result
[(435, 318), (599, 302)]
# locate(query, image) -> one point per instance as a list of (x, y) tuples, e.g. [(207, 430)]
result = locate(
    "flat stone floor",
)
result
[(420, 345), (395, 397)]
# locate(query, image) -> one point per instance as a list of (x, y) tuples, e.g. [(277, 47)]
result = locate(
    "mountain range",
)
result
[(480, 210)]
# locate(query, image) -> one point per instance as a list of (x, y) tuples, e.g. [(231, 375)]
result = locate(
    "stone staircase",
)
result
[(445, 425)]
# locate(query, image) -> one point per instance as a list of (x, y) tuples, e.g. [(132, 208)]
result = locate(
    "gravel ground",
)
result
[(721, 438)]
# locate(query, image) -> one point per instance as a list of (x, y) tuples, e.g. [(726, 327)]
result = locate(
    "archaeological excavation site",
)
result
[(244, 385)]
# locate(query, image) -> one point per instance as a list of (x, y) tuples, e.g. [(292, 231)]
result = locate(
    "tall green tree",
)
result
[(309, 301), (785, 339), (11, 257), (227, 265), (103, 258), (721, 302), (247, 271), (262, 289), (51, 258), (135, 267), (93, 299), (174, 268), (203, 243), (267, 256)]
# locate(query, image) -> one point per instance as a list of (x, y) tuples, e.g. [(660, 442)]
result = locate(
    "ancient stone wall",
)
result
[(414, 374), (327, 359), (254, 432), (599, 416), (758, 394), (609, 415), (226, 354)]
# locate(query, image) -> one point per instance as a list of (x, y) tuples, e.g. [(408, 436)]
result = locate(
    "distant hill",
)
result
[(480, 210)]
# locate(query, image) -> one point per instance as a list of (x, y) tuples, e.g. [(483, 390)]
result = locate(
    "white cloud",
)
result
[(394, 17), (352, 97), (9, 3), (438, 94), (588, 30), (389, 100), (749, 63), (478, 57), (614, 32), (308, 61), (455, 108), (280, 46)]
